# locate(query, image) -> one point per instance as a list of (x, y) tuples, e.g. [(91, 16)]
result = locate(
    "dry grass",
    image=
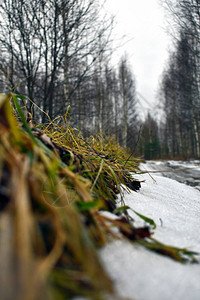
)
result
[(53, 186)]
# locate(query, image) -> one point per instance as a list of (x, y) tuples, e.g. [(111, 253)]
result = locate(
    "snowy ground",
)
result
[(143, 275), (183, 171)]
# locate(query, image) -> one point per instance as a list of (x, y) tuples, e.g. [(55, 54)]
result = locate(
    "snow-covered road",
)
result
[(143, 275), (187, 172)]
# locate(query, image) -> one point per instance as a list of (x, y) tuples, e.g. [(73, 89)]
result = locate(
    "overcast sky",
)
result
[(143, 22)]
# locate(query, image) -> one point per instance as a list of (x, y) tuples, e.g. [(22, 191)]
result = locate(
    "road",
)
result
[(184, 172)]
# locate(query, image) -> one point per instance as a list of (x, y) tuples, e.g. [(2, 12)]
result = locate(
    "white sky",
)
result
[(142, 21)]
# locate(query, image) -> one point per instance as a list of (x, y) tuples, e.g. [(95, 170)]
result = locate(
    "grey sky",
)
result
[(142, 21)]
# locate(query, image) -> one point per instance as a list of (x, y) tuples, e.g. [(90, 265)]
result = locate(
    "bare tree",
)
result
[(127, 93), (181, 81), (51, 42)]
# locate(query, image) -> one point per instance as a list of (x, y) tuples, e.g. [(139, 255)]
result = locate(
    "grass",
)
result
[(54, 185)]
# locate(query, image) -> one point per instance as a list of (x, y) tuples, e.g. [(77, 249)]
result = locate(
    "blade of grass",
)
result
[(146, 219)]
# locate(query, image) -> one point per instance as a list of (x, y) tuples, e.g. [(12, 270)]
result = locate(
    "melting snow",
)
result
[(143, 275)]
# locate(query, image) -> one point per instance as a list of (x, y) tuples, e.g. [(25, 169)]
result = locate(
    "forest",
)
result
[(58, 54), (71, 143)]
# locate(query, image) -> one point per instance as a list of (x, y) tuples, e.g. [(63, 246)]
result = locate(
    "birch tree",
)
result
[(185, 17), (49, 43), (127, 93)]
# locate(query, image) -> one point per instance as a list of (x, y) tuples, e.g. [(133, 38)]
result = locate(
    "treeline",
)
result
[(177, 136), (58, 53), (180, 84)]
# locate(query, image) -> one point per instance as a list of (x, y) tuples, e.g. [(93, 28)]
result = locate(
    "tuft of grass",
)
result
[(54, 185)]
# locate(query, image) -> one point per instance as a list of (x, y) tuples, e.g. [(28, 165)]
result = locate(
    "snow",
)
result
[(193, 164), (140, 274), (187, 172)]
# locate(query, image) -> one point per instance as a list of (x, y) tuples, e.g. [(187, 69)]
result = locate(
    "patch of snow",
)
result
[(143, 275), (109, 215)]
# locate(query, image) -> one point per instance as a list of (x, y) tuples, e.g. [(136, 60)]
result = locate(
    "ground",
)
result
[(144, 275)]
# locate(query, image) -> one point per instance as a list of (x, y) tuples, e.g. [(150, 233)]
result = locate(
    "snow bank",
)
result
[(143, 275)]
